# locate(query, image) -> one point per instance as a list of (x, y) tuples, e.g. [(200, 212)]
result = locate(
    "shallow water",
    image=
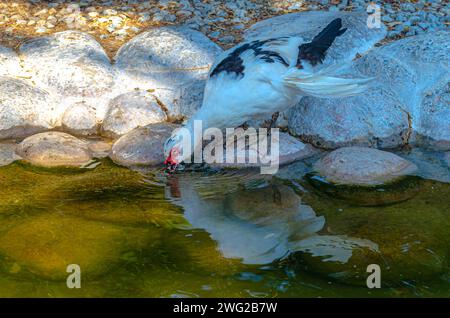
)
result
[(221, 234)]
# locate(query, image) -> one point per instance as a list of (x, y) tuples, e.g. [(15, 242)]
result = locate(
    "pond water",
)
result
[(209, 233)]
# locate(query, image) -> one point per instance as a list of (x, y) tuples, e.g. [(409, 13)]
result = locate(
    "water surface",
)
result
[(221, 234)]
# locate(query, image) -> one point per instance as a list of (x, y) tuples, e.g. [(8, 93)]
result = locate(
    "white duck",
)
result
[(255, 79)]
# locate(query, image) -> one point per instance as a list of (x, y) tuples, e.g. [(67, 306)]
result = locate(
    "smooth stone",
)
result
[(8, 154), (80, 119), (54, 149), (9, 62), (357, 39), (362, 166), (173, 62), (412, 237), (143, 146), (72, 65), (416, 69), (129, 111), (25, 109), (290, 150), (99, 148)]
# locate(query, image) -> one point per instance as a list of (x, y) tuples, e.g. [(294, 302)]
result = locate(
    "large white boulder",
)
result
[(72, 65), (356, 40), (363, 166), (9, 62)]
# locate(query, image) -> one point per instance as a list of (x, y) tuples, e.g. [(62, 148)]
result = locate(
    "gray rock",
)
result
[(25, 110), (408, 99), (79, 119), (131, 110), (290, 150), (8, 154), (54, 149), (374, 119), (71, 64), (363, 166), (417, 69), (172, 61), (9, 62), (432, 127), (143, 146), (357, 39)]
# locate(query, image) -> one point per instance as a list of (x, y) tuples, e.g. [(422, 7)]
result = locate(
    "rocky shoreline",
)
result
[(61, 91)]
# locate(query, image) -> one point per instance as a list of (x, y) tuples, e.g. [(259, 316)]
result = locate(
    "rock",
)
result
[(131, 110), (7, 154), (45, 245), (357, 39), (363, 166), (143, 146), (9, 62), (25, 110), (54, 149), (272, 219), (431, 164), (80, 119), (432, 127), (172, 61), (71, 64), (406, 104), (99, 148), (290, 150), (411, 236)]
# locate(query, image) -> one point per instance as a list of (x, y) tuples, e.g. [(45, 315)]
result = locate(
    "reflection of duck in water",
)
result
[(260, 224)]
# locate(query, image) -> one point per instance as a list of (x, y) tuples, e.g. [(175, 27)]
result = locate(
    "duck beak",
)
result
[(170, 163)]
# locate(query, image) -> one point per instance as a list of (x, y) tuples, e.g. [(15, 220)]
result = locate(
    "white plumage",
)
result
[(256, 79)]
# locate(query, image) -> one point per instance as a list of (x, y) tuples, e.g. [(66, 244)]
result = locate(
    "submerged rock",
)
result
[(363, 166), (8, 154), (357, 39), (80, 119), (45, 245), (412, 239), (171, 61), (25, 109), (131, 110), (54, 149), (143, 146)]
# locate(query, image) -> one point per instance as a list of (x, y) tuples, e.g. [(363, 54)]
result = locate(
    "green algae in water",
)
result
[(136, 238)]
